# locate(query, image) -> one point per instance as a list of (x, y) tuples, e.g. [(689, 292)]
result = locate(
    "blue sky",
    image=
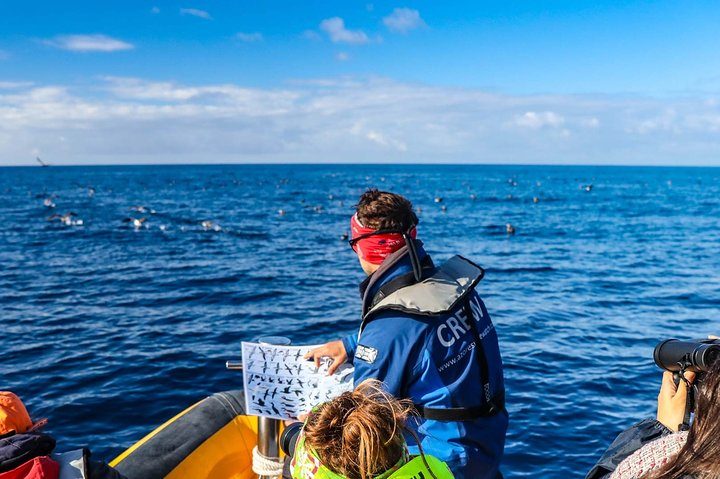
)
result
[(501, 82)]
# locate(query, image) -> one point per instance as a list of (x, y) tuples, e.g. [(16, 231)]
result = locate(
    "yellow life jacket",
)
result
[(306, 465)]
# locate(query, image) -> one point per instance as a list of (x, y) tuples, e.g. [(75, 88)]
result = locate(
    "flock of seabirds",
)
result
[(138, 218)]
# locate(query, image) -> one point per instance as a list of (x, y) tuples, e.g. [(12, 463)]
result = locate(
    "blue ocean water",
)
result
[(108, 329)]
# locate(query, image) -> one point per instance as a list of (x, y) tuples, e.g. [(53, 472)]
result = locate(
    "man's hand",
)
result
[(672, 400), (334, 350)]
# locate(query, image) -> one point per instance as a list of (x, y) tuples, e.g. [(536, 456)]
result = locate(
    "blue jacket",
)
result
[(432, 361)]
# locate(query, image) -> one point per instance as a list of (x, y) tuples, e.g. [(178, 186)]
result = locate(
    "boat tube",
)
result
[(212, 439)]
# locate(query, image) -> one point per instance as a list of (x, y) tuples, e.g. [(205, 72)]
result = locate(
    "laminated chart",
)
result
[(280, 384)]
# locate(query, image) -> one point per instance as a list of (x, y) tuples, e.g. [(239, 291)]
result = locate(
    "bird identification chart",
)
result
[(279, 383)]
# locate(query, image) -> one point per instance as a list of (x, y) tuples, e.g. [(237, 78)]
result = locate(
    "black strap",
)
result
[(402, 281), (493, 404), (689, 405), (496, 405), (481, 357)]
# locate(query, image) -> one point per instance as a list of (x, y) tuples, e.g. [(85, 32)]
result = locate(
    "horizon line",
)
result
[(592, 165)]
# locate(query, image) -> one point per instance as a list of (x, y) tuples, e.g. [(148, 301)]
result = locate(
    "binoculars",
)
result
[(289, 438), (697, 356)]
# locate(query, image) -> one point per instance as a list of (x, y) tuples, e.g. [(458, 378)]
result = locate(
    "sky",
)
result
[(509, 82)]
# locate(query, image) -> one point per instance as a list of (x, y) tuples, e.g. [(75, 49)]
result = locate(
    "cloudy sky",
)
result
[(566, 82)]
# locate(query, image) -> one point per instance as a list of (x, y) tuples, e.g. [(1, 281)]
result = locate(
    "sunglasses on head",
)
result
[(353, 242)]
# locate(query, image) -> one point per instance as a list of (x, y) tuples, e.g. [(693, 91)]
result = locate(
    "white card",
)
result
[(280, 384)]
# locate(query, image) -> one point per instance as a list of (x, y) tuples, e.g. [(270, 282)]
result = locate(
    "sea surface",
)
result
[(110, 329)]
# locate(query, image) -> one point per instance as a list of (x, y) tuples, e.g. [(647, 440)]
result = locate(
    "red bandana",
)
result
[(374, 249)]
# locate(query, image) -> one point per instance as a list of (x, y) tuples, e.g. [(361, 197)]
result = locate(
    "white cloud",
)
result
[(89, 43), (348, 119), (194, 12), (342, 56), (249, 37), (335, 29), (662, 121), (402, 20), (380, 139), (535, 120), (12, 85), (311, 35), (590, 122)]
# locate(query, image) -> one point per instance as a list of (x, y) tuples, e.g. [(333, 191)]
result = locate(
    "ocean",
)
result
[(109, 329)]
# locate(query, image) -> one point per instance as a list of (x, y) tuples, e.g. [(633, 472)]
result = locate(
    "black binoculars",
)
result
[(289, 438), (697, 356)]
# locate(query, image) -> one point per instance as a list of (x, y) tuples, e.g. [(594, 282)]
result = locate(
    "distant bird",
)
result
[(509, 229), (42, 163), (438, 199), (536, 199), (68, 219), (136, 223), (208, 225), (48, 203), (143, 209)]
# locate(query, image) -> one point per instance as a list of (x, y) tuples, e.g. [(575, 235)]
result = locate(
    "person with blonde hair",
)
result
[(359, 435)]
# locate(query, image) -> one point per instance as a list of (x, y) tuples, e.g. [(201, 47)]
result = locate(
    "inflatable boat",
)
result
[(212, 439)]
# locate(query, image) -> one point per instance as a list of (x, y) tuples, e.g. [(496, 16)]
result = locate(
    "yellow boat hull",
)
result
[(213, 439)]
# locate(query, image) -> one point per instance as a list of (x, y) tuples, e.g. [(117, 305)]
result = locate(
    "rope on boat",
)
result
[(266, 466)]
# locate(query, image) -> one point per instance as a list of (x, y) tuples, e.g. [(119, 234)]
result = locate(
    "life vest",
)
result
[(440, 291), (41, 467), (306, 465)]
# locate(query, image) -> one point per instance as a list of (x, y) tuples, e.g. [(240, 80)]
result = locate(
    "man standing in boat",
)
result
[(425, 333)]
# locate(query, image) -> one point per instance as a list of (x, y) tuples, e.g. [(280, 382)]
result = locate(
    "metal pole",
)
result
[(269, 429)]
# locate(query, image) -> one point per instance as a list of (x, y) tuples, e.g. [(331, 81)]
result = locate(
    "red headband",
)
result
[(374, 249)]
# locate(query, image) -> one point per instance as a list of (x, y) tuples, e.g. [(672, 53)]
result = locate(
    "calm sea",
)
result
[(109, 329)]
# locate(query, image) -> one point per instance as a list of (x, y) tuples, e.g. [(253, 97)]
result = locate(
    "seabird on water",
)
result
[(208, 225), (143, 209), (137, 223), (68, 219)]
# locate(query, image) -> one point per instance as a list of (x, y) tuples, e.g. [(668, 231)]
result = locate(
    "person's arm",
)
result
[(350, 344), (670, 414)]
